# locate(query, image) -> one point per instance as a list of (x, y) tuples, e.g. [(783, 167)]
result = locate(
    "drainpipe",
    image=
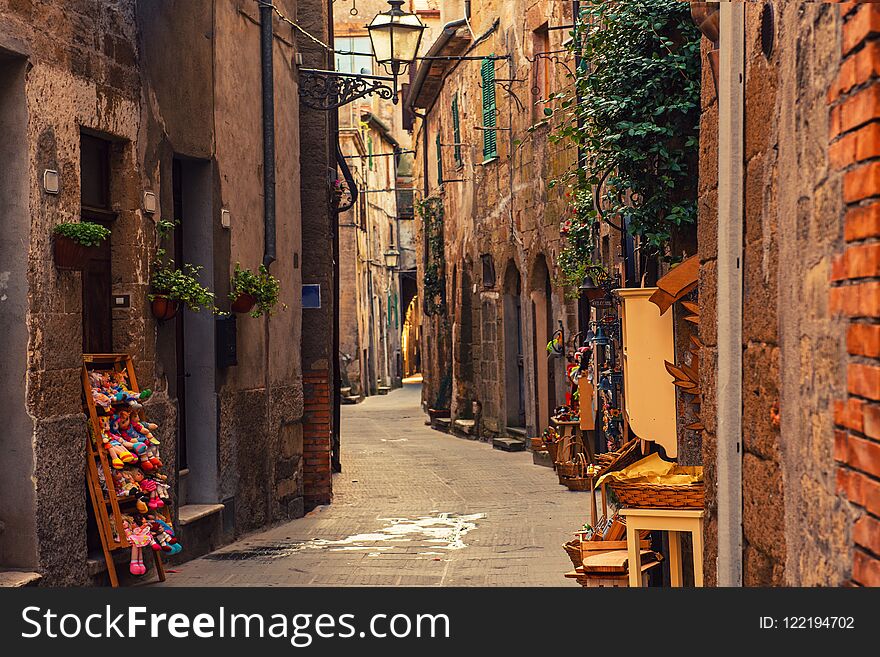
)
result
[(266, 67), (729, 297)]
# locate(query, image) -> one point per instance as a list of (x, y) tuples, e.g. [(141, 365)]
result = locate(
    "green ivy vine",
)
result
[(633, 109), (431, 212)]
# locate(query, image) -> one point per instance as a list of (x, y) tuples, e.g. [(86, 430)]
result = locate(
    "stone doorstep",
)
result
[(190, 513), (442, 424), (542, 458), (14, 579), (464, 428), (508, 444), (384, 390)]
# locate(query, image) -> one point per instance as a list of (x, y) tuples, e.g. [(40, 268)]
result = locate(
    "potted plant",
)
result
[(74, 243), (173, 286), (254, 293)]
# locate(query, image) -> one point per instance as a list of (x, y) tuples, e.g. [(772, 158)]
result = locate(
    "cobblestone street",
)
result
[(412, 507)]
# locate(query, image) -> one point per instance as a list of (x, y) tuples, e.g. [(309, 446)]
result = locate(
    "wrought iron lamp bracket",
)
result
[(329, 90)]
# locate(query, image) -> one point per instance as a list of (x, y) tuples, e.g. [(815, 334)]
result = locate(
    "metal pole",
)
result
[(729, 296), (267, 71)]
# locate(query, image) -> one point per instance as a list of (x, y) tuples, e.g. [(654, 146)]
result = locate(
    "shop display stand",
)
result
[(106, 504)]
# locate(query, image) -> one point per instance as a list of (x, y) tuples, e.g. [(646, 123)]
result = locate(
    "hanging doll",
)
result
[(137, 530), (169, 530), (162, 487), (132, 488), (119, 455), (144, 429), (132, 440), (148, 486)]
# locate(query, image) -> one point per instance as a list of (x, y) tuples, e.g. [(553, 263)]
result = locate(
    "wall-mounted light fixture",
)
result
[(392, 257), (51, 181), (150, 204), (225, 218)]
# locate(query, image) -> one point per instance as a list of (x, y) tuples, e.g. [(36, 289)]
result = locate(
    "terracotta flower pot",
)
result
[(244, 303), (70, 254), (163, 308)]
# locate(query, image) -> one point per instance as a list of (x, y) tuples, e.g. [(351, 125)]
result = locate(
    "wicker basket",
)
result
[(576, 483), (538, 444), (573, 550), (567, 469), (622, 458), (658, 495), (552, 449)]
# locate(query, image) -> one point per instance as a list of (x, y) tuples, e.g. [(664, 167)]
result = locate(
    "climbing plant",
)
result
[(632, 110), (434, 282)]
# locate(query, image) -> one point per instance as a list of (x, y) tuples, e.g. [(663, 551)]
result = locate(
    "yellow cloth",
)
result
[(654, 470)]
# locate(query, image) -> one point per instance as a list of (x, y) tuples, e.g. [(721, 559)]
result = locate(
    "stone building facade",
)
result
[(487, 321), (374, 136), (809, 383), (102, 92), (370, 307)]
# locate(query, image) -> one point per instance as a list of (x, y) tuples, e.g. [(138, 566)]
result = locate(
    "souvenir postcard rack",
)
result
[(109, 507)]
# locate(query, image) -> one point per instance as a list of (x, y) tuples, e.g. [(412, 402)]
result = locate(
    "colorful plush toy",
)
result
[(169, 530), (148, 486), (137, 530)]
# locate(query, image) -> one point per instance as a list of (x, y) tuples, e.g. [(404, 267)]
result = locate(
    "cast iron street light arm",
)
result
[(327, 90)]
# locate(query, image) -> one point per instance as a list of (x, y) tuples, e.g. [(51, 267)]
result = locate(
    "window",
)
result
[(456, 131), (361, 62), (488, 271), (490, 143), (439, 160), (540, 71)]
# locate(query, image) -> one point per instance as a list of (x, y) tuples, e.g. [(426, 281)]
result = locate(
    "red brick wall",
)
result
[(317, 484), (854, 101)]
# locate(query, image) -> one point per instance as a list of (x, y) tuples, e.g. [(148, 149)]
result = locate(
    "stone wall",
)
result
[(855, 295), (795, 527), (501, 208), (114, 68)]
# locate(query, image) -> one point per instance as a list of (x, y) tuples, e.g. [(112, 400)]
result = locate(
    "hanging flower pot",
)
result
[(244, 303), (69, 254), (163, 308)]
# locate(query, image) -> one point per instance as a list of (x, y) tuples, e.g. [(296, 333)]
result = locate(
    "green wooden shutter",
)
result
[(490, 143), (439, 160), (456, 131), (370, 151)]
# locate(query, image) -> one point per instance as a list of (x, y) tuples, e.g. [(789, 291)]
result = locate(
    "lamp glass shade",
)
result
[(392, 257), (395, 36)]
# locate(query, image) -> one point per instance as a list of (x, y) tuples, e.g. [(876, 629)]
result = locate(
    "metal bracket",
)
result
[(328, 90)]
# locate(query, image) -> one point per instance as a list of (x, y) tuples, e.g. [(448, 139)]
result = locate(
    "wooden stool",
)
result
[(673, 521)]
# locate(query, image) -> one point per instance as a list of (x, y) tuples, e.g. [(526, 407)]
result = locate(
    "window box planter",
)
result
[(648, 343), (69, 254), (164, 308)]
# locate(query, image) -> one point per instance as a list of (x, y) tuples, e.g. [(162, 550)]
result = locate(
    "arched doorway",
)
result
[(514, 373), (540, 295)]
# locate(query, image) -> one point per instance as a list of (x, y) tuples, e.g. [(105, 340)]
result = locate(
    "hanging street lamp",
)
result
[(395, 36), (392, 257)]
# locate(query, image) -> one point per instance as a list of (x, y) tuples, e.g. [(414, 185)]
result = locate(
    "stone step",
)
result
[(465, 428), (508, 444), (15, 579), (350, 399), (442, 423), (200, 530), (542, 458), (345, 391), (518, 432), (384, 390)]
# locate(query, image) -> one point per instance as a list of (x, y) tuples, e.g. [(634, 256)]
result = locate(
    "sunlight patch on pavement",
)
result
[(445, 531)]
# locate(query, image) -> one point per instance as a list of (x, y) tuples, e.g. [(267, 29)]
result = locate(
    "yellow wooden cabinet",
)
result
[(648, 343)]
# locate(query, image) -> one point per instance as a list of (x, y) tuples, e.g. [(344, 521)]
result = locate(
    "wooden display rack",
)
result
[(106, 503)]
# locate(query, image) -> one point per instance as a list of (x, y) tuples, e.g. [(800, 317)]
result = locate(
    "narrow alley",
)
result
[(412, 507)]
